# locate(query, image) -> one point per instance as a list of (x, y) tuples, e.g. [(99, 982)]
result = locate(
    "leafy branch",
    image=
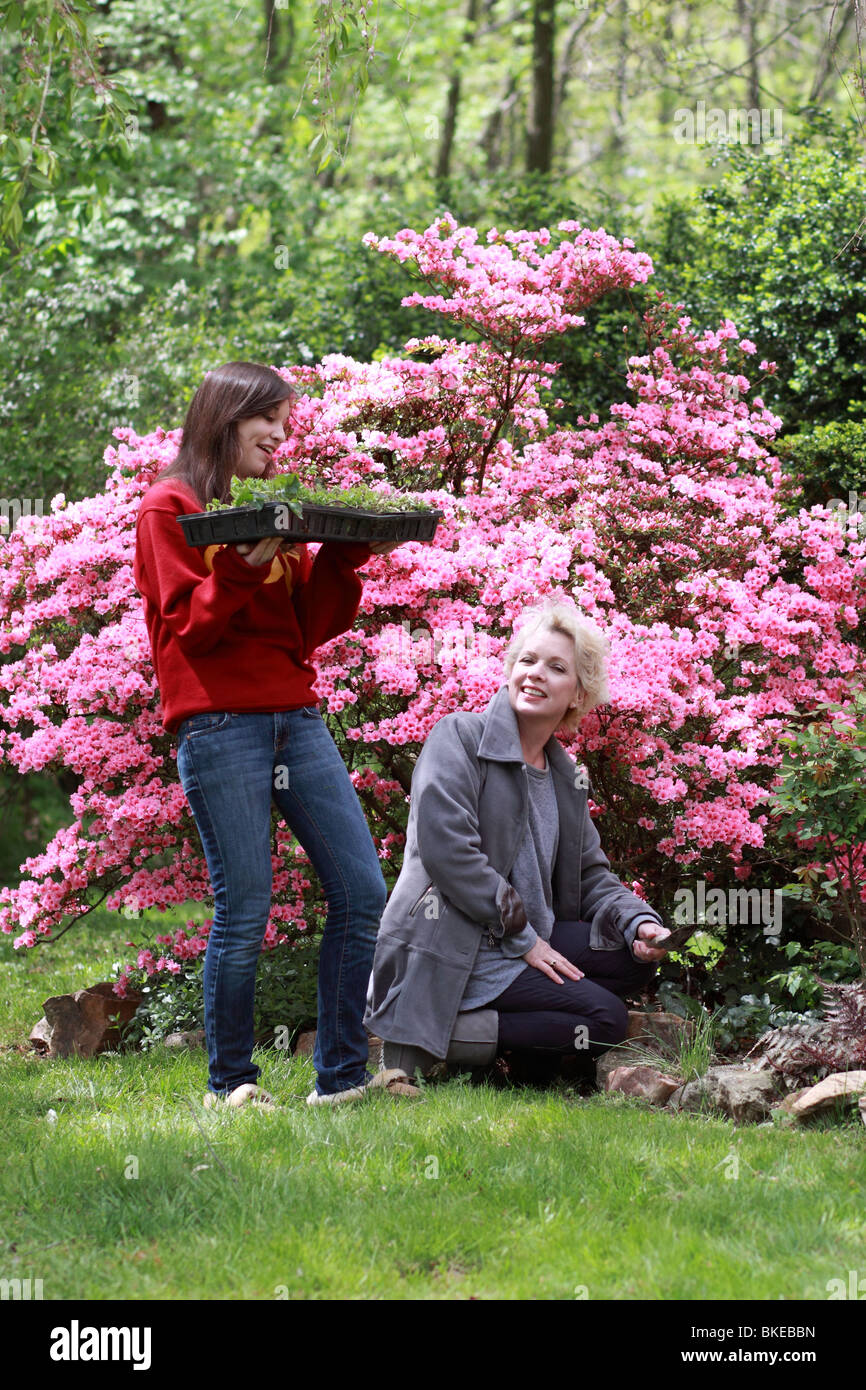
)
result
[(55, 55)]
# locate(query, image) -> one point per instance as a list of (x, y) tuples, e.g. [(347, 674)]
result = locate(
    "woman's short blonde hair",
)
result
[(591, 649)]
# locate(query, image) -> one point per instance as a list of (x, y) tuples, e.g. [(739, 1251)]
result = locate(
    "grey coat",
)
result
[(467, 818)]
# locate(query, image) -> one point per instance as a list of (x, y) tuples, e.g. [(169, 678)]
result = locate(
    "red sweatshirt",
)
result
[(225, 635)]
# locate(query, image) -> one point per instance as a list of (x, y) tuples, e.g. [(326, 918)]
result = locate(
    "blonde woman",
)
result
[(506, 899)]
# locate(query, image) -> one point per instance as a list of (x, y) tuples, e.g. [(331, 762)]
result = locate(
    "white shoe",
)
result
[(393, 1080), (241, 1095)]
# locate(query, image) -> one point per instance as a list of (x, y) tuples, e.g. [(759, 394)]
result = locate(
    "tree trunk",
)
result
[(746, 10), (860, 19), (667, 99), (539, 143), (491, 139), (449, 123), (828, 54), (619, 115), (565, 61), (276, 61)]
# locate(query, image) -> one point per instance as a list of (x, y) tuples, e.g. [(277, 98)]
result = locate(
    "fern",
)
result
[(835, 1042)]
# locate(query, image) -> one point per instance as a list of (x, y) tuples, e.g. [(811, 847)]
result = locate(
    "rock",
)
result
[(847, 1084), (610, 1060), (80, 1024), (742, 1094), (40, 1036), (645, 1082), (305, 1044), (640, 1040), (195, 1038), (664, 1027), (404, 1088), (862, 1107), (789, 1100)]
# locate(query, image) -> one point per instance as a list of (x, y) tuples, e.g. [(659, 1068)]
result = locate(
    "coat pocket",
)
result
[(426, 1005), (414, 908), (388, 973)]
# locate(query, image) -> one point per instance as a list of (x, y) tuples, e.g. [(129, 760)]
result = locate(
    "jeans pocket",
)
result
[(204, 723), (311, 711)]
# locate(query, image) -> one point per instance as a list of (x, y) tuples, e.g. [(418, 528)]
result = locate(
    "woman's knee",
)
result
[(610, 1022), (245, 899), (377, 894), (361, 894), (240, 922)]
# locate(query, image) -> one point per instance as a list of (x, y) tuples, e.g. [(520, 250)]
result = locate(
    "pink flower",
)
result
[(729, 611)]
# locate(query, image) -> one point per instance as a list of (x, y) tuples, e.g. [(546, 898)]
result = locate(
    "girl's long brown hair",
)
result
[(209, 450)]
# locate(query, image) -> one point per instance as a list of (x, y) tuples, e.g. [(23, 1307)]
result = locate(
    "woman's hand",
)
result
[(648, 931), (265, 549), (548, 961), (262, 551)]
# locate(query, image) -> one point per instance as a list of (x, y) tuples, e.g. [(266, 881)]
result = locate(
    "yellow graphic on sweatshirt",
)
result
[(280, 566)]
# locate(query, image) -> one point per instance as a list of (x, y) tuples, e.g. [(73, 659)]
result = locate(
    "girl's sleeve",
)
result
[(194, 604), (327, 593)]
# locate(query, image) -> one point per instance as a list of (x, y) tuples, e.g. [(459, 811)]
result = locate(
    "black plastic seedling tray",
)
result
[(318, 523)]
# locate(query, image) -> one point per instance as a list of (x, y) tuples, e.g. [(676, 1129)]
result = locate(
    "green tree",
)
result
[(822, 804), (775, 245), (59, 111)]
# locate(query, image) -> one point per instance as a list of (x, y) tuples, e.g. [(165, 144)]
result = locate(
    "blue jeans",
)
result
[(231, 767)]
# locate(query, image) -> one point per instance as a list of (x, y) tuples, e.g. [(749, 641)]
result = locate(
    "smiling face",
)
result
[(543, 684), (258, 437)]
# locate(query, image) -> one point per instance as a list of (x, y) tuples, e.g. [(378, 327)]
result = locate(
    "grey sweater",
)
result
[(497, 966)]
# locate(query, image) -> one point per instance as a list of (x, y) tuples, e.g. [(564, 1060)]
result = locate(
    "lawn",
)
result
[(132, 1190)]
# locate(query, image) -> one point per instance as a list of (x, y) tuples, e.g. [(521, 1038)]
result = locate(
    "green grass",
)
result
[(690, 1058), (136, 1192)]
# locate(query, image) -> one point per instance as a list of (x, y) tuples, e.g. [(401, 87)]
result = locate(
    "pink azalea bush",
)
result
[(729, 610)]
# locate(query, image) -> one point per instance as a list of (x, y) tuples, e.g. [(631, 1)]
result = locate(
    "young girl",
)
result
[(232, 631)]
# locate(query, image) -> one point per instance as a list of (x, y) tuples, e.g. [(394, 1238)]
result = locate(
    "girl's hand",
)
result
[(548, 961), (265, 549), (260, 553)]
